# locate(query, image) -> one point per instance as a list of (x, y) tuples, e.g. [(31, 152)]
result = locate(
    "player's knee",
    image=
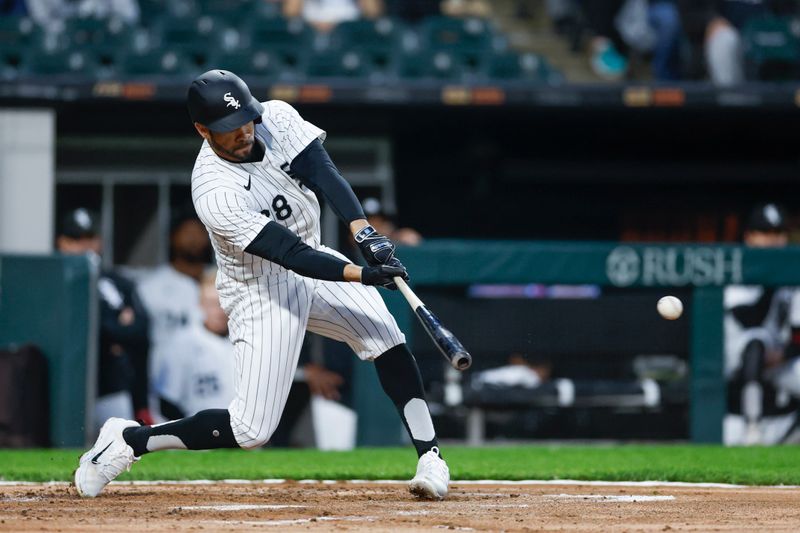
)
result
[(251, 440), (252, 444), (249, 436)]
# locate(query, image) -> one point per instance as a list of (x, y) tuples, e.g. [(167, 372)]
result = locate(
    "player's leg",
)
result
[(206, 430), (753, 357), (266, 357), (267, 331), (356, 314)]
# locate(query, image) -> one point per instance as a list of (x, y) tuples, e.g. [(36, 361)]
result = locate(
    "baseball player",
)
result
[(254, 186), (757, 329)]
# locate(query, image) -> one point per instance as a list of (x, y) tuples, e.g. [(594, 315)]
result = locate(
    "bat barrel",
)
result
[(461, 361), (447, 343)]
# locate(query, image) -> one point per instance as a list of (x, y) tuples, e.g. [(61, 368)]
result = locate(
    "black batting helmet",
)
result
[(221, 101), (80, 223), (767, 217)]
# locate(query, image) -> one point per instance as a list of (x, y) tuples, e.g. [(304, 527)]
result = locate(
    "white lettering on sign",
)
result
[(674, 266)]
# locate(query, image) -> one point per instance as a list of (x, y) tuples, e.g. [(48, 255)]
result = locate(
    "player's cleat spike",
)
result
[(432, 477), (108, 458)]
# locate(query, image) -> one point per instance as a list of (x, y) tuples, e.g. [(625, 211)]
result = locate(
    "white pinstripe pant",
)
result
[(268, 318)]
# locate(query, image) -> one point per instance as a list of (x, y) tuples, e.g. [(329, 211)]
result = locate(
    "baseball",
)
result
[(670, 307)]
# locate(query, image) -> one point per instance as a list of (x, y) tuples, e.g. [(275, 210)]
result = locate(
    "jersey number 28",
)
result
[(282, 208)]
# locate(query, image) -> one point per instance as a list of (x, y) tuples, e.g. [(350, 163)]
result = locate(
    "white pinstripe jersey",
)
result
[(236, 200)]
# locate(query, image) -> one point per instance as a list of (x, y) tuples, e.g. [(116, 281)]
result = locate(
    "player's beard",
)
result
[(231, 155)]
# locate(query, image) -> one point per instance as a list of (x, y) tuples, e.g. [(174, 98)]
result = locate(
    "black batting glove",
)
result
[(395, 262), (377, 249), (383, 275)]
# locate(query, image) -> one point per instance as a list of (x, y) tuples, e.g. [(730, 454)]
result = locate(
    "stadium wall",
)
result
[(27, 179)]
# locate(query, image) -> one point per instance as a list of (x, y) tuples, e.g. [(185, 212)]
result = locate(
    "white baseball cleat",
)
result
[(108, 458), (432, 477)]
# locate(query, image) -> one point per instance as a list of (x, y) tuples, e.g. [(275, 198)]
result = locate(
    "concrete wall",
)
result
[(27, 180)]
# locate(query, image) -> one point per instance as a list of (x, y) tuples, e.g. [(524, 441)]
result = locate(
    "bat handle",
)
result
[(412, 298)]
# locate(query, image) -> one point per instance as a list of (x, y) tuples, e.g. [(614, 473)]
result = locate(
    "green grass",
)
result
[(751, 466)]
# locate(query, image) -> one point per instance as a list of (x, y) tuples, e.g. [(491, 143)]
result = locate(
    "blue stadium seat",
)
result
[(337, 64), (426, 64), (42, 62), (515, 66), (468, 40), (365, 33), (18, 32), (275, 63), (233, 12), (265, 33), (375, 40), (11, 59), (153, 10), (82, 33), (467, 34), (188, 32), (155, 63), (195, 38)]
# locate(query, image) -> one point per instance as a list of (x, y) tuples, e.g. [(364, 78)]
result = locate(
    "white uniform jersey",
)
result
[(198, 371), (172, 301), (270, 308), (236, 200), (772, 330)]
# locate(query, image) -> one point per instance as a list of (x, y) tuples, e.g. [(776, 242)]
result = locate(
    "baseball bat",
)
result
[(447, 343)]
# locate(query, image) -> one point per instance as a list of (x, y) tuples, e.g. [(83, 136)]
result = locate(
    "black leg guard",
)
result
[(206, 430), (400, 378)]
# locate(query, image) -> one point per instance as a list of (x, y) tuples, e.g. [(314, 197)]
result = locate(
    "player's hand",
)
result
[(323, 382), (383, 275), (376, 248)]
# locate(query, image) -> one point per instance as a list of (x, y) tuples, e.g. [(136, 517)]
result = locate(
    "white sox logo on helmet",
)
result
[(232, 102)]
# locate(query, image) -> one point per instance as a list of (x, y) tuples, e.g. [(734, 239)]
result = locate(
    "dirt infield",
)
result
[(388, 507)]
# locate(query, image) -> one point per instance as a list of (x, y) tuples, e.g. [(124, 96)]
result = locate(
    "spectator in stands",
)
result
[(649, 26), (52, 14), (171, 292), (381, 221), (756, 330), (713, 26), (124, 343), (324, 15)]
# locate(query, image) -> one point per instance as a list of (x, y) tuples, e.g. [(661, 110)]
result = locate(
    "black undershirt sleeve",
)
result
[(314, 168), (279, 245)]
